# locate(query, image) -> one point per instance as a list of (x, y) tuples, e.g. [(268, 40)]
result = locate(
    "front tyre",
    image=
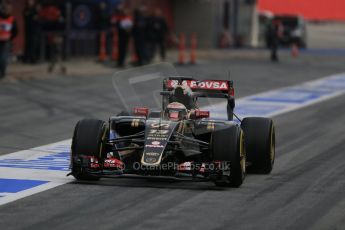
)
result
[(87, 141), (228, 147), (259, 135)]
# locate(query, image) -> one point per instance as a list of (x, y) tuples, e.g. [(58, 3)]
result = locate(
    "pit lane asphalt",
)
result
[(304, 191)]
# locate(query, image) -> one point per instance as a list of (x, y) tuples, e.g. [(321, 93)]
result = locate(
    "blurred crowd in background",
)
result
[(147, 27), (8, 31), (144, 27), (141, 30)]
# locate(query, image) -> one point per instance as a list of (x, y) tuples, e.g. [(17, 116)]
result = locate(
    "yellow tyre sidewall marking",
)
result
[(242, 153), (272, 146), (101, 145)]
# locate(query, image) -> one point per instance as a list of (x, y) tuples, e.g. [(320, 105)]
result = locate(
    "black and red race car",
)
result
[(180, 142)]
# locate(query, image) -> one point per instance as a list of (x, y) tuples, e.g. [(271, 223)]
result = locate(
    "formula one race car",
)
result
[(180, 142)]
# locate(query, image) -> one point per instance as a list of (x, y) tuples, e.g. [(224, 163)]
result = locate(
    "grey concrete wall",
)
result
[(326, 35), (245, 22), (199, 16), (205, 17)]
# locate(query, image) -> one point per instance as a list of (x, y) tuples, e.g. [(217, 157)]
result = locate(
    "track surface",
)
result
[(305, 190)]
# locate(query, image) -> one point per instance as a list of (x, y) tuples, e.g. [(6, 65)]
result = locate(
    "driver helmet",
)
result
[(176, 111)]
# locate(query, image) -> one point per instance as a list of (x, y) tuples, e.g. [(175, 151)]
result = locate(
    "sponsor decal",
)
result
[(158, 135), (150, 160), (113, 163), (152, 154), (154, 144), (158, 132), (202, 113), (207, 84), (141, 111), (135, 123), (160, 125), (157, 138), (186, 166)]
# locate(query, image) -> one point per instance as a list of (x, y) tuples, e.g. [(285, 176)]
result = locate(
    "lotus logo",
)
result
[(150, 160)]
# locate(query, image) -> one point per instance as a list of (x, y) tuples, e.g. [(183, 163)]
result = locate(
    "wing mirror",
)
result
[(141, 111), (202, 114)]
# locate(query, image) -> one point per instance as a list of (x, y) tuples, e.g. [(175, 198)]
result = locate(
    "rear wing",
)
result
[(205, 88)]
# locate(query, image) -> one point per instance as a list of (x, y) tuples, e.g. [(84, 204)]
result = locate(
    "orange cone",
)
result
[(102, 48), (182, 47), (193, 49)]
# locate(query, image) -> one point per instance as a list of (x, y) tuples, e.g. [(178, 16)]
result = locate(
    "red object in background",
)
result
[(182, 47), (310, 9), (102, 47), (294, 50), (50, 13), (114, 50), (6, 25), (193, 48)]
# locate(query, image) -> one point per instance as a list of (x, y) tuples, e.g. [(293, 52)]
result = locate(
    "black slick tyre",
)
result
[(87, 141), (228, 147), (259, 135)]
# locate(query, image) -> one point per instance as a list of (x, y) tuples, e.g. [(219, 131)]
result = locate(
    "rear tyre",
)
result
[(228, 147), (259, 135), (87, 142)]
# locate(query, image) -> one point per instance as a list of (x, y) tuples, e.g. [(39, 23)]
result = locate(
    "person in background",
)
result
[(139, 35), (104, 24), (32, 29), (104, 17), (8, 31), (158, 29), (124, 29), (274, 33), (56, 43)]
